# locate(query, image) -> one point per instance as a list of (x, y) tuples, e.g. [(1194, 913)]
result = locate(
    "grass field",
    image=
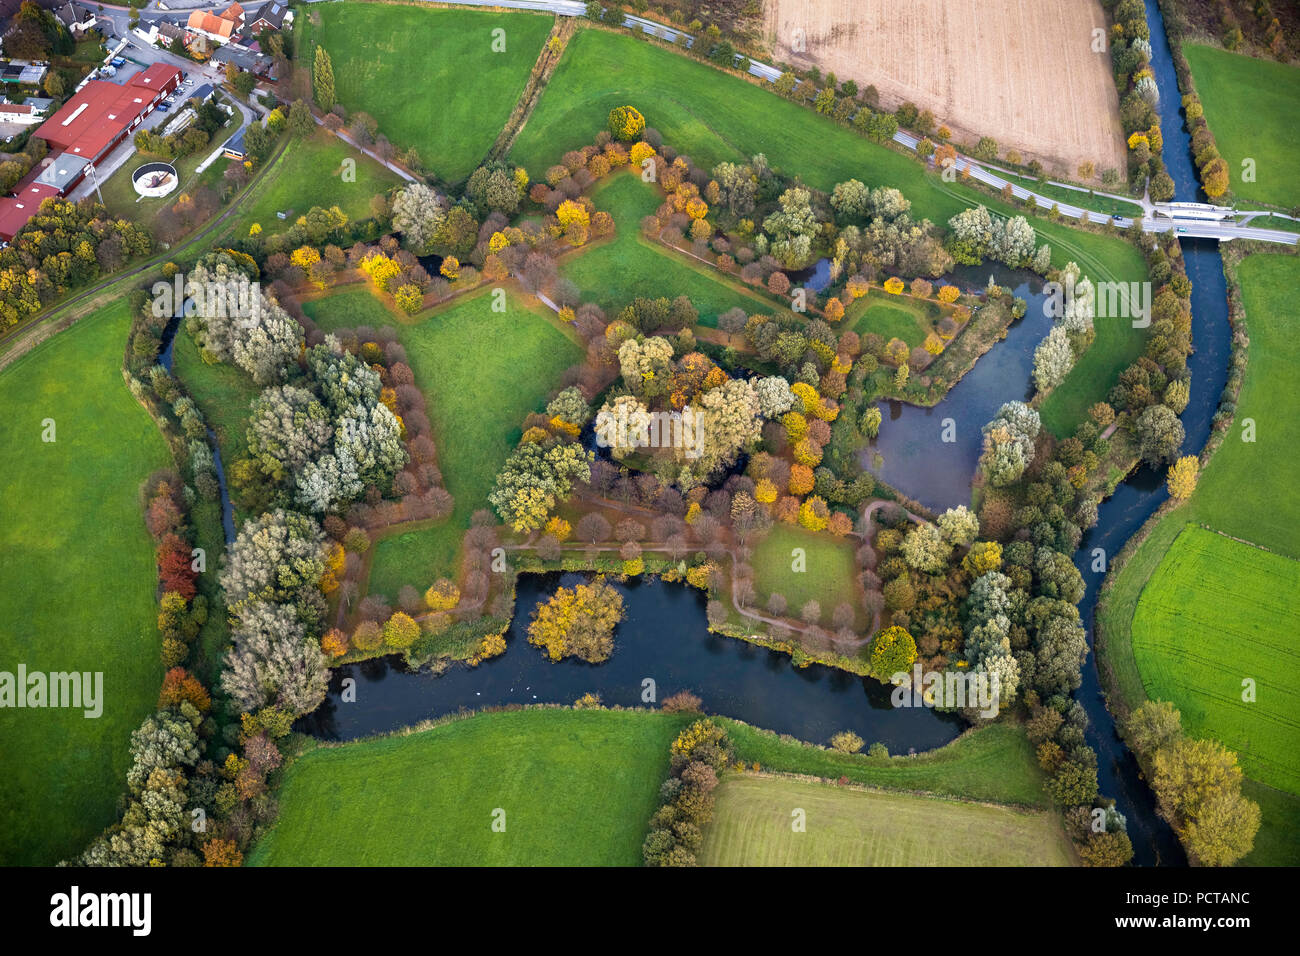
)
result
[(829, 564), (707, 115), (348, 308), (430, 77), (1250, 106), (612, 274), (1215, 612), (753, 825), (711, 116), (891, 317), (483, 372), (577, 787), (120, 196), (994, 764), (310, 173), (78, 572), (1247, 491)]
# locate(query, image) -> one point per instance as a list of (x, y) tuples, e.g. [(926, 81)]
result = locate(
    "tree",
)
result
[(221, 852), (1214, 177), (926, 549), (1198, 783), (1153, 725), (1013, 242), (534, 479), (1053, 359), (850, 199), (983, 557), (792, 228), (737, 187), (274, 661), (400, 630), (444, 595), (418, 212), (275, 557), (288, 428), (972, 232), (986, 149), (578, 622), (899, 594), (1182, 476), (322, 75), (959, 525), (626, 123), (892, 652), (846, 742), (1009, 443), (300, 119), (871, 420), (1160, 434)]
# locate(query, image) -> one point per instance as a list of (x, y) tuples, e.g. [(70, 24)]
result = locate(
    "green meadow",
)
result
[(483, 372), (572, 787), (78, 576), (443, 81)]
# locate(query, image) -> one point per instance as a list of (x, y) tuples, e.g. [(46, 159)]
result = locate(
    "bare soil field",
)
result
[(1021, 71)]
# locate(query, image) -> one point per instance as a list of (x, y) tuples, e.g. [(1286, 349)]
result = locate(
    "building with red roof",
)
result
[(16, 210), (100, 115), (219, 28), (89, 126)]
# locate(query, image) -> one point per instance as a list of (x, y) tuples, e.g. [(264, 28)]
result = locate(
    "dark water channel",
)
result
[(664, 639), (165, 359), (1134, 501), (929, 454)]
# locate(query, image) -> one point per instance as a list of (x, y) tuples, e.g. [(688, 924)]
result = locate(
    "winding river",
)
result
[(665, 638)]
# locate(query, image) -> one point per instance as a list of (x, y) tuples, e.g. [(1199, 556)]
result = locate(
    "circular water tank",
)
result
[(155, 179)]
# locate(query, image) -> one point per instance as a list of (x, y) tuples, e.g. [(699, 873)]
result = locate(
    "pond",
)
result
[(930, 454), (814, 278), (664, 639)]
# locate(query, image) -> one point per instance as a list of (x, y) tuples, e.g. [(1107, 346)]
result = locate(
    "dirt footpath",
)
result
[(1021, 71)]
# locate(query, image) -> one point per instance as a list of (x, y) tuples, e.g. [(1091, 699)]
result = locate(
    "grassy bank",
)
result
[(1246, 492)]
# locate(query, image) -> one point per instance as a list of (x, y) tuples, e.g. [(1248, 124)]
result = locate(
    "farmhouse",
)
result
[(79, 22), (22, 72), (219, 28), (234, 147), (170, 32), (16, 210), (269, 16), (18, 113)]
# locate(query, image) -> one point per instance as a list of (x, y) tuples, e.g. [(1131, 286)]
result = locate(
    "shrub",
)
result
[(367, 636), (400, 630), (846, 742)]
